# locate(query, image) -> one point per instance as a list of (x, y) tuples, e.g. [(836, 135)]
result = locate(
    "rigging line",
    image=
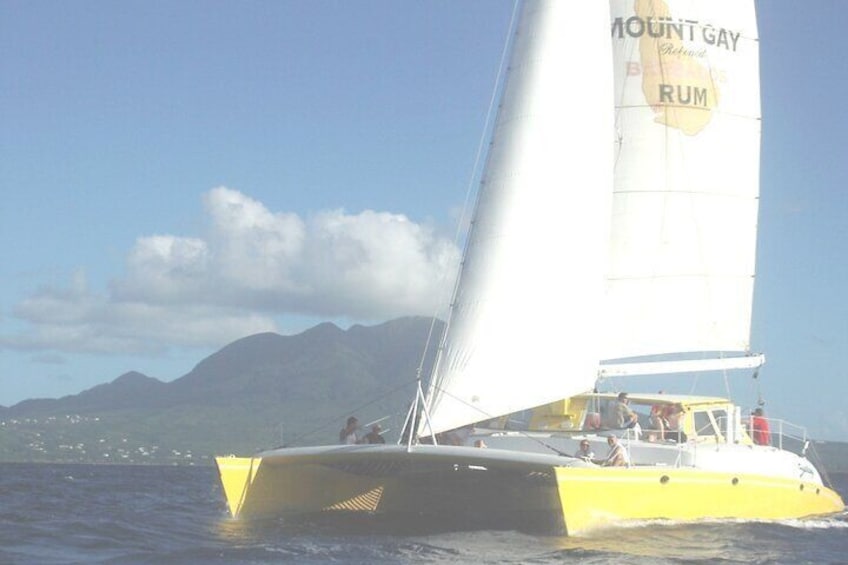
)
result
[(476, 173), (820, 464), (410, 423), (725, 373), (546, 445), (488, 416), (756, 378), (694, 384), (332, 421)]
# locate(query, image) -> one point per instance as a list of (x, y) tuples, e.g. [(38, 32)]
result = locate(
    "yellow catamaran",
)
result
[(614, 234)]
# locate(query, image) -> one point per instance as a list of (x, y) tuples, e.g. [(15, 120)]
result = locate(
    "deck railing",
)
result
[(783, 434), (789, 436)]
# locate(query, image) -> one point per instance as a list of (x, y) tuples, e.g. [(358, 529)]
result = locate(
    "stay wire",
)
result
[(474, 175)]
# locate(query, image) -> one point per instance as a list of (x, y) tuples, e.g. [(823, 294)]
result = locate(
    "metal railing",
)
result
[(783, 435), (789, 436)]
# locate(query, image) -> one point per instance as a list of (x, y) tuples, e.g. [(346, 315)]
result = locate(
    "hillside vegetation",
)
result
[(255, 393)]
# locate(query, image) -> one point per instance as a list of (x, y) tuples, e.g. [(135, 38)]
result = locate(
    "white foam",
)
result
[(840, 521)]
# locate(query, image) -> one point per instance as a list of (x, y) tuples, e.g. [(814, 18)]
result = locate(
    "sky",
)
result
[(178, 175)]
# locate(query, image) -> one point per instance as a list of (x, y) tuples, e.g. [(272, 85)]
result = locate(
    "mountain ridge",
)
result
[(253, 393)]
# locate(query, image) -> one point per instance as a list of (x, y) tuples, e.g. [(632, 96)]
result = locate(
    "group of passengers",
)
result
[(664, 419), (616, 456), (349, 434)]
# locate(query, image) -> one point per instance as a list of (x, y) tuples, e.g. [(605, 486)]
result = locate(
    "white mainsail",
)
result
[(686, 177), (524, 326)]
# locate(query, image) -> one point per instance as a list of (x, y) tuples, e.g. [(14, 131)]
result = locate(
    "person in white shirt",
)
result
[(347, 434), (617, 456), (585, 451)]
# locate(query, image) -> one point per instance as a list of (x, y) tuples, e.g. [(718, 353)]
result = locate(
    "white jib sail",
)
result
[(524, 326), (686, 177)]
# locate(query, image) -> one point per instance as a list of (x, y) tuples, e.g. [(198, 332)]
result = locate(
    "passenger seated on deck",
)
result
[(624, 416), (347, 434), (674, 416), (593, 421), (658, 420), (585, 452), (374, 436), (617, 456)]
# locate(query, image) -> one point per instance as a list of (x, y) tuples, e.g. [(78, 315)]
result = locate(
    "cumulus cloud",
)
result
[(251, 267)]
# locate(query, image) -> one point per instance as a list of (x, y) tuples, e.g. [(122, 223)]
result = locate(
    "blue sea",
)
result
[(147, 514)]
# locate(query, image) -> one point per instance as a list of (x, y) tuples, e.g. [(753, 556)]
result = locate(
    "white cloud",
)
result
[(375, 265), (251, 266)]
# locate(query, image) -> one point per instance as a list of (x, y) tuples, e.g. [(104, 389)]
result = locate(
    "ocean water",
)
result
[(146, 514)]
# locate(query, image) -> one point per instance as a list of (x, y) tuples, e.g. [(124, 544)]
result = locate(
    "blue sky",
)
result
[(178, 175)]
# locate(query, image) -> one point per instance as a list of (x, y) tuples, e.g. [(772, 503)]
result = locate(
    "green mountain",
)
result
[(258, 392)]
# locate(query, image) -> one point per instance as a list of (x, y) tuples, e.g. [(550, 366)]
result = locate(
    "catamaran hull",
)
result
[(593, 498), (447, 488), (467, 488)]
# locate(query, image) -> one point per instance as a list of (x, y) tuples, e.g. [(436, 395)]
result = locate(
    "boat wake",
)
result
[(837, 521)]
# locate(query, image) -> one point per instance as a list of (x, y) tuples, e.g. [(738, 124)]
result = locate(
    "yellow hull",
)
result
[(574, 499), (439, 490), (256, 490), (596, 497)]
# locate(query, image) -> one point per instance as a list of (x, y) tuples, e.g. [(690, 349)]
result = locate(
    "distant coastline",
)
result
[(258, 392)]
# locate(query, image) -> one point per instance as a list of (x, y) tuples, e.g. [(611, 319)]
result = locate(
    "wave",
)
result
[(838, 521)]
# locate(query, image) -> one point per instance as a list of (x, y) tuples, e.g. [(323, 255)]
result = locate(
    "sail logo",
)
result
[(680, 30), (677, 80), (684, 95)]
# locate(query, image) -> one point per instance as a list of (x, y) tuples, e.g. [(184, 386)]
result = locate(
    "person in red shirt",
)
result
[(760, 428)]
